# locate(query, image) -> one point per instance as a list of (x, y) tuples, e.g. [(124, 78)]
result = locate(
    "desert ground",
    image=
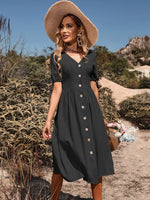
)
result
[(123, 93)]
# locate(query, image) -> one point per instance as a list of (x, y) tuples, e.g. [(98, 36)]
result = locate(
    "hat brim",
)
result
[(58, 10)]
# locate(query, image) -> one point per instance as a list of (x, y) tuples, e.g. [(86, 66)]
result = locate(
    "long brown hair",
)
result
[(60, 44)]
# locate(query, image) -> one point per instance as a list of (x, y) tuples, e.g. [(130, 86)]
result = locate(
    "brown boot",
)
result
[(56, 185), (97, 190)]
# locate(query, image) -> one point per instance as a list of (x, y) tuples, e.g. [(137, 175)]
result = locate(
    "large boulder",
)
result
[(137, 51)]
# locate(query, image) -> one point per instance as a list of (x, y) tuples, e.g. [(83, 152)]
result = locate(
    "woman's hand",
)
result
[(46, 130)]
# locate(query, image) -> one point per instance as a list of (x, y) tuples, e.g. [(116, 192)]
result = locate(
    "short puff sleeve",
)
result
[(55, 77)]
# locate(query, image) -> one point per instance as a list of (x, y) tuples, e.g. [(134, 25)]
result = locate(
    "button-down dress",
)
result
[(80, 144)]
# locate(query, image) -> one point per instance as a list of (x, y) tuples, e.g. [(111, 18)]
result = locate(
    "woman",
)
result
[(80, 144)]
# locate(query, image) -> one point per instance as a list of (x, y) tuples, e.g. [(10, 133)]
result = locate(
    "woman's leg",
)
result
[(56, 185), (97, 190)]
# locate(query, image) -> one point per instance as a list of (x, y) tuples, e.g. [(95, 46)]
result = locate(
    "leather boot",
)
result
[(56, 185), (97, 190)]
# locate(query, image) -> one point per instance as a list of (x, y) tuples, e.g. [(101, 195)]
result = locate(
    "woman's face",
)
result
[(69, 30)]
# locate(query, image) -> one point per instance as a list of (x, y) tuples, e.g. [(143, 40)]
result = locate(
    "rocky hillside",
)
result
[(137, 51)]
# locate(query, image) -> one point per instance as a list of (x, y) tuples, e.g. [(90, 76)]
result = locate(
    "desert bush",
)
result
[(141, 52), (115, 68), (146, 38), (107, 104), (9, 58), (144, 82), (117, 71), (21, 155), (23, 151), (104, 55), (137, 110)]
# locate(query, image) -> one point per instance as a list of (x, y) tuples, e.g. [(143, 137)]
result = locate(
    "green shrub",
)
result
[(144, 82), (23, 150), (137, 110), (107, 104), (115, 68), (140, 52)]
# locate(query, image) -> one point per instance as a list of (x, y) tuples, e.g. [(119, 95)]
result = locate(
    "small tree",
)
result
[(5, 34), (144, 82), (9, 58)]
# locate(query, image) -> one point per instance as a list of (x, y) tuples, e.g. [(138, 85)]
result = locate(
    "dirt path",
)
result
[(145, 69), (119, 92), (132, 168)]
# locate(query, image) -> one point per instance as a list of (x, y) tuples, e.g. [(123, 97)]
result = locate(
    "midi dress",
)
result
[(80, 145)]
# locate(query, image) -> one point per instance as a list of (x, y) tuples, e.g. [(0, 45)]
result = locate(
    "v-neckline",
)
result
[(74, 59)]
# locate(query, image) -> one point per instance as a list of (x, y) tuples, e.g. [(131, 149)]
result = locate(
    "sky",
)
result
[(116, 20)]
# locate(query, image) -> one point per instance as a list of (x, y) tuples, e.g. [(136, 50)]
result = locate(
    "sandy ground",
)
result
[(145, 69), (120, 93)]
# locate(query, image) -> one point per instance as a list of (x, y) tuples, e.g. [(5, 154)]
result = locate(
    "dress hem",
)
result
[(89, 180)]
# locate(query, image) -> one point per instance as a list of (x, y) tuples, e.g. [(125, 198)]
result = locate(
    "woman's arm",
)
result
[(54, 100), (95, 90)]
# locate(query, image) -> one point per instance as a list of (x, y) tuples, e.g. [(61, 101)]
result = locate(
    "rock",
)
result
[(137, 50)]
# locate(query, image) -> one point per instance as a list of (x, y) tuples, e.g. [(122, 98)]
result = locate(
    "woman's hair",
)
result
[(60, 44)]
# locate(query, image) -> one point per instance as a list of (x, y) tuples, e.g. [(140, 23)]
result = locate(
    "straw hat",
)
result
[(61, 8)]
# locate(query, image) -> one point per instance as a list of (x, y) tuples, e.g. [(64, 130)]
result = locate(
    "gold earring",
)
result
[(79, 39)]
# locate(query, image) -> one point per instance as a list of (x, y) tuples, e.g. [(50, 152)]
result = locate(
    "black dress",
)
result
[(80, 144)]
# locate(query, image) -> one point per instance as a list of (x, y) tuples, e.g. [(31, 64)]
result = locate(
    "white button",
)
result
[(86, 129), (89, 139), (91, 152), (80, 85), (82, 107), (84, 117), (79, 75), (79, 65), (81, 95)]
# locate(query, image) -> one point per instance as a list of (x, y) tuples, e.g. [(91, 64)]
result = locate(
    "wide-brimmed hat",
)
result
[(58, 10)]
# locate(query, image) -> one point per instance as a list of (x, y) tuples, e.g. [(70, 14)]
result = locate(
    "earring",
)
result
[(79, 39)]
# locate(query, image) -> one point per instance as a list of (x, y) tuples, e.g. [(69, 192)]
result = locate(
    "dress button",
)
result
[(80, 85), (82, 107), (81, 95), (79, 75), (84, 117), (79, 65), (91, 152), (89, 139), (86, 129)]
